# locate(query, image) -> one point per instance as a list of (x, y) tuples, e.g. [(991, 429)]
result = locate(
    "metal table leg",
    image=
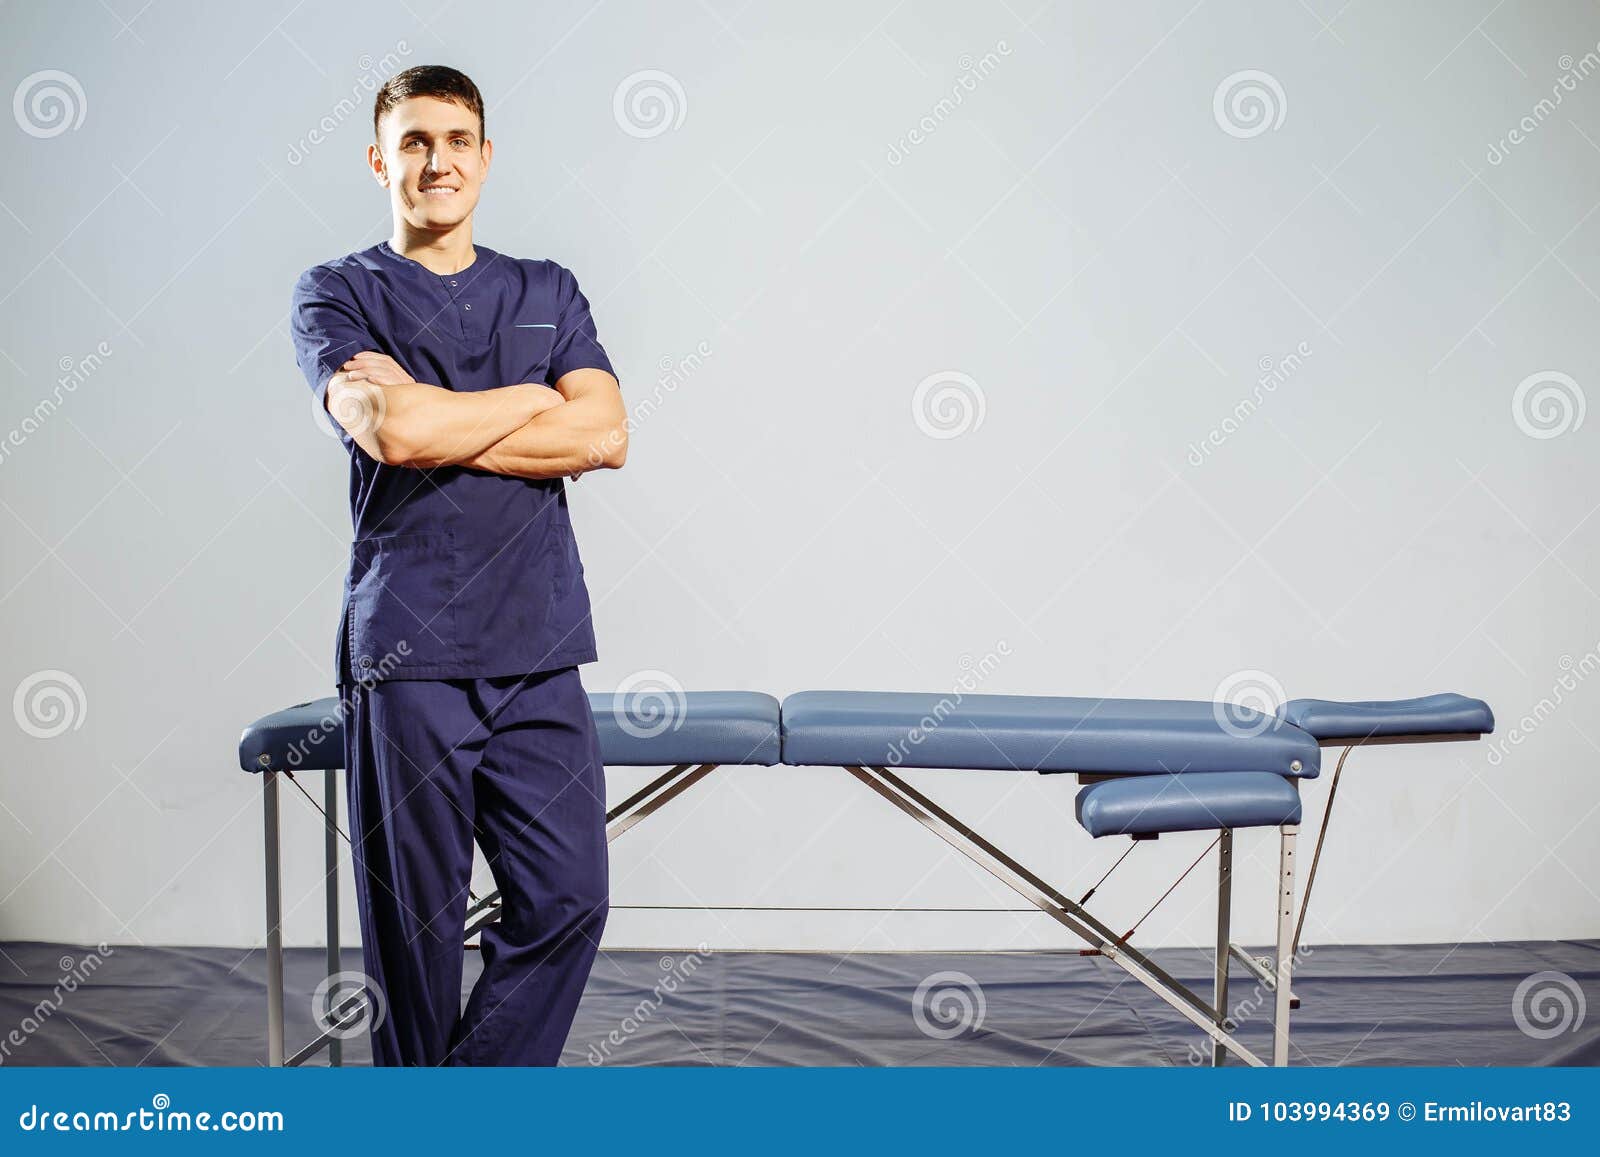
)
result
[(269, 789), (330, 887), (1224, 953), (1280, 1020)]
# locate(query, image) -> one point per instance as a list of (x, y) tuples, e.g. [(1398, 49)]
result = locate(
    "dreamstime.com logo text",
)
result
[(161, 1117), (73, 974), (1572, 71), (372, 77), (1573, 672), (74, 372), (673, 374), (333, 721), (1273, 375), (973, 672), (972, 71), (1241, 1012), (673, 973)]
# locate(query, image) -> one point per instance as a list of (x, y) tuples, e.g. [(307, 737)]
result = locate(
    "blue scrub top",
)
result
[(454, 572)]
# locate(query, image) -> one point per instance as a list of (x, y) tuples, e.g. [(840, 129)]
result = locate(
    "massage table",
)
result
[(1147, 767)]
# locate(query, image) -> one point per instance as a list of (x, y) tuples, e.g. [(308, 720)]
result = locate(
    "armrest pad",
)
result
[(1444, 714)]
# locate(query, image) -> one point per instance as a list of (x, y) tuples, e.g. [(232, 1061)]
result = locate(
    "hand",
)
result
[(379, 369)]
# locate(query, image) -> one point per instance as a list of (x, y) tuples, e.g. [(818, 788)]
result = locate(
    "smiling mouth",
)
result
[(438, 190)]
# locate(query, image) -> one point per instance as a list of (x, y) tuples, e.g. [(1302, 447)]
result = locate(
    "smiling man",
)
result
[(466, 386)]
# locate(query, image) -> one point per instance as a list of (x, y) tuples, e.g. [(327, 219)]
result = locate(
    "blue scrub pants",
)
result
[(513, 762)]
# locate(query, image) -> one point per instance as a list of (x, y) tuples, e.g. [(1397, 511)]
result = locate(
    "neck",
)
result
[(448, 252)]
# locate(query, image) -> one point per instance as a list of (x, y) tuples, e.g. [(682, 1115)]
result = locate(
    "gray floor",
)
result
[(1414, 1005)]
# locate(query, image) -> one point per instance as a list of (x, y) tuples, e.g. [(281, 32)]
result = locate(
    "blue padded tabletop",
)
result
[(730, 727), (1444, 714), (727, 727), (1151, 804), (1038, 733)]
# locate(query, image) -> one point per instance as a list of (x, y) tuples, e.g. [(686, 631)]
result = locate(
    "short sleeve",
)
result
[(577, 345), (328, 327)]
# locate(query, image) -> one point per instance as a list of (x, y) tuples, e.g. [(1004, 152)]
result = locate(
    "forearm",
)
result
[(568, 439), (423, 426)]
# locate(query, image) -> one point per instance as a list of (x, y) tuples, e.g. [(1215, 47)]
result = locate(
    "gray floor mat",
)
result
[(1411, 1005)]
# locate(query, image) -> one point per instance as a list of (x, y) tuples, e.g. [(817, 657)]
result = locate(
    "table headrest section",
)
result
[(1039, 733), (305, 737), (1444, 714)]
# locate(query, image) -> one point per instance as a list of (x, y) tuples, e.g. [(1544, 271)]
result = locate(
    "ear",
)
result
[(488, 156), (380, 171)]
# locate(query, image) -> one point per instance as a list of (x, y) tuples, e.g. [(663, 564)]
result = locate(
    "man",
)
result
[(466, 386)]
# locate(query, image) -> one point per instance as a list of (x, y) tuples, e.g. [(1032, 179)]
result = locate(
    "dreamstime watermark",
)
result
[(73, 974), (74, 372), (948, 1004), (1246, 703), (332, 722), (648, 703), (347, 1004), (1273, 375), (1548, 1004), (49, 703), (673, 973), (1574, 672), (1548, 404), (1249, 103), (160, 1117), (648, 103), (350, 411), (973, 672), (48, 103), (372, 78), (1240, 1013), (1572, 71), (674, 373), (948, 404), (972, 71)]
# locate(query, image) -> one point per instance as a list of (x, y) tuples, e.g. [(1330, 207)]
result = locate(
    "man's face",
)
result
[(432, 162)]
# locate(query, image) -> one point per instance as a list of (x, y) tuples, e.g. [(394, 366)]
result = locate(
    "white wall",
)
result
[(1079, 235)]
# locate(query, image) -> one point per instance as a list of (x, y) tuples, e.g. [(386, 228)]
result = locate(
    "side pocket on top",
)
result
[(403, 602)]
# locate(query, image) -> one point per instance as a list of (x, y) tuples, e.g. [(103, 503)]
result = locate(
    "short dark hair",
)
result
[(435, 80)]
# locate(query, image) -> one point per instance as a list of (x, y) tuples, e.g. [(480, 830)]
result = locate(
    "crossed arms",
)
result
[(527, 430)]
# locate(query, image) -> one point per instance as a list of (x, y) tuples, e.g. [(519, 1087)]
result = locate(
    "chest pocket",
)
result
[(528, 348)]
